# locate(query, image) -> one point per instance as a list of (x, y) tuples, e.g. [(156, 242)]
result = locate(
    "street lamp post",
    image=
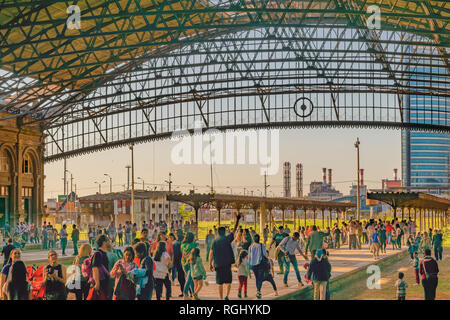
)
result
[(99, 186), (358, 204), (193, 187), (132, 183), (110, 182)]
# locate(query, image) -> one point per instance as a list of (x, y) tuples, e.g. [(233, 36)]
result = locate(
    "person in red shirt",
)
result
[(163, 237)]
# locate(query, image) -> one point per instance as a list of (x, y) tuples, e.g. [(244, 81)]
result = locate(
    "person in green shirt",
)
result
[(112, 259), (75, 238), (277, 238), (437, 244), (198, 271), (314, 242), (186, 249), (209, 240)]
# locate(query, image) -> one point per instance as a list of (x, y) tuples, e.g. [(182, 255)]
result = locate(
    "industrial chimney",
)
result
[(395, 174), (287, 179), (329, 177), (299, 180), (324, 170), (361, 173)]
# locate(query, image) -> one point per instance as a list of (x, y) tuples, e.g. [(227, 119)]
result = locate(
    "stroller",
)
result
[(35, 277)]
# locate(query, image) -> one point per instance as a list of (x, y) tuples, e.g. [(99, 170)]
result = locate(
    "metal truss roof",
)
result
[(140, 69)]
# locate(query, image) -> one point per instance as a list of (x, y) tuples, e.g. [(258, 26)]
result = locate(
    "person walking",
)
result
[(437, 245), (82, 292), (401, 286), (124, 288), (198, 271), (429, 270), (177, 269), (75, 238), (63, 238), (258, 263), (100, 269), (243, 272), (375, 246), (6, 251), (208, 241), (223, 258), (146, 265), (288, 246), (161, 273), (277, 238), (416, 263), (314, 242), (319, 273), (186, 249)]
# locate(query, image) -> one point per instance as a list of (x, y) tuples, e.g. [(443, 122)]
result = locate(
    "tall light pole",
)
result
[(169, 182), (128, 167), (358, 204), (68, 196), (110, 182), (99, 186), (132, 183)]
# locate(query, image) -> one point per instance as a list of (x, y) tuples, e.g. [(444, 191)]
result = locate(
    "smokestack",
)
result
[(329, 177), (299, 180), (324, 177), (287, 179), (395, 174), (361, 173)]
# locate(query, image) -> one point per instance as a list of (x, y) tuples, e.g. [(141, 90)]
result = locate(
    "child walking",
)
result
[(243, 272), (197, 270), (401, 286)]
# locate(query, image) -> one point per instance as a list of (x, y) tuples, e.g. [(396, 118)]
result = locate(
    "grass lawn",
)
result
[(390, 275)]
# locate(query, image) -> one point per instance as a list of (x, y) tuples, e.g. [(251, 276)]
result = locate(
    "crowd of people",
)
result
[(124, 264)]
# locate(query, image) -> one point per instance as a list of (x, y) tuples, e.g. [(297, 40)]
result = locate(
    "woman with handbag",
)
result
[(54, 279), (124, 288), (161, 274), (258, 262)]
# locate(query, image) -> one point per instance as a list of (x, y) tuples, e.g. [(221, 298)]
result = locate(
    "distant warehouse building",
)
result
[(102, 209)]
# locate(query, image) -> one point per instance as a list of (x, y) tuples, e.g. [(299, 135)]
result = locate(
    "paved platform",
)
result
[(342, 260)]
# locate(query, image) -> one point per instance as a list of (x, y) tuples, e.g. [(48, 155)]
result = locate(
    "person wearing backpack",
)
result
[(99, 267), (429, 270), (146, 263), (319, 272)]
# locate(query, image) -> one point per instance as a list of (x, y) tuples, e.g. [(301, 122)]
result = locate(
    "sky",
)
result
[(380, 153)]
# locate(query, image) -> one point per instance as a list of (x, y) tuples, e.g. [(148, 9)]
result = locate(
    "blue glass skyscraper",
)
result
[(426, 155)]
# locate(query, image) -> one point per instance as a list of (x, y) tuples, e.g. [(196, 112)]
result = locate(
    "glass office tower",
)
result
[(426, 155)]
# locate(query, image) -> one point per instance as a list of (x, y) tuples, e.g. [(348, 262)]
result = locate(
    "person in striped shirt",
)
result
[(401, 286)]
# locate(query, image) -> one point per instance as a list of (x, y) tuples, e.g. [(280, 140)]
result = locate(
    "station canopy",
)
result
[(45, 66), (410, 200)]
